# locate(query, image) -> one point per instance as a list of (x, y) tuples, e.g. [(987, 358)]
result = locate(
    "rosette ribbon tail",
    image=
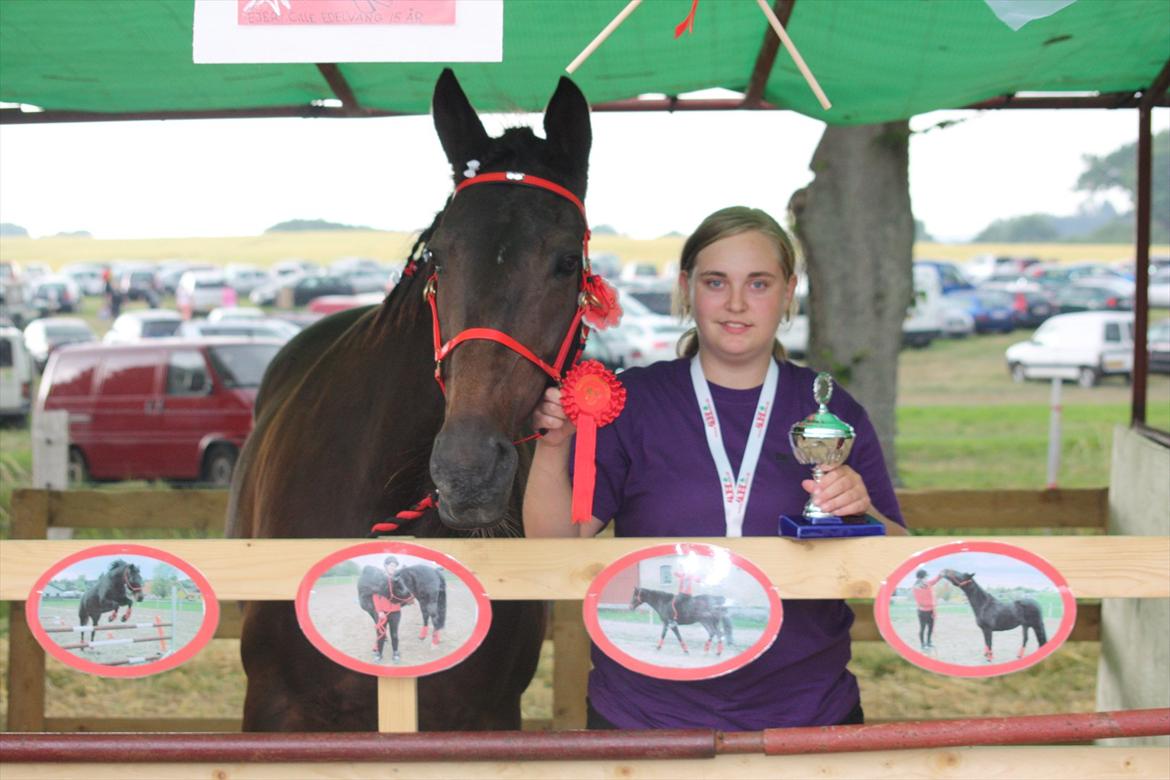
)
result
[(584, 468)]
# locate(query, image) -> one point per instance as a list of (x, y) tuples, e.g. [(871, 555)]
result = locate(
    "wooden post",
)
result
[(50, 462), (397, 704), (26, 659), (570, 666)]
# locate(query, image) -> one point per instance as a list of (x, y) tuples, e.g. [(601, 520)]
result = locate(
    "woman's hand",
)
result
[(840, 492), (550, 417)]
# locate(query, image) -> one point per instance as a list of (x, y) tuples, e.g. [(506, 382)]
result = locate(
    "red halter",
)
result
[(556, 370)]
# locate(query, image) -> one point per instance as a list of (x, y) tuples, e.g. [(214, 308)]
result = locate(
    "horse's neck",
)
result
[(978, 596)]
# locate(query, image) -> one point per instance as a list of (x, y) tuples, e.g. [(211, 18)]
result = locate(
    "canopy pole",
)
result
[(766, 58)]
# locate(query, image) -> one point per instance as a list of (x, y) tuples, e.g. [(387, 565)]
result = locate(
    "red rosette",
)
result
[(600, 300), (591, 396)]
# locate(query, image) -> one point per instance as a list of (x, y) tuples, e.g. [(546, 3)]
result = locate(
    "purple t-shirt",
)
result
[(656, 477)]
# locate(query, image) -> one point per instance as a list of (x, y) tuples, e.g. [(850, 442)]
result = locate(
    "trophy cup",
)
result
[(824, 439)]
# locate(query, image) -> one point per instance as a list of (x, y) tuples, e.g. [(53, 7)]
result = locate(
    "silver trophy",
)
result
[(821, 439)]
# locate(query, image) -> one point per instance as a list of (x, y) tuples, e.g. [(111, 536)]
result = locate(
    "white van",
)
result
[(924, 318), (15, 375), (1084, 346)]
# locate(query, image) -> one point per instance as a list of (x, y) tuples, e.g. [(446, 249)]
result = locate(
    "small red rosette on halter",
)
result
[(600, 300), (592, 397)]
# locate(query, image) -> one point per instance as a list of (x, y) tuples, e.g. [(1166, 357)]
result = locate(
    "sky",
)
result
[(651, 173)]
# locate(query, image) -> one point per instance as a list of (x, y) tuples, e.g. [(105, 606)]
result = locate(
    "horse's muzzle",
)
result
[(473, 468)]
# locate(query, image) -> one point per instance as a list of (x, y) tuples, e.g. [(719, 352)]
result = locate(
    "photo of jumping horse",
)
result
[(117, 587), (363, 414), (992, 615), (683, 609)]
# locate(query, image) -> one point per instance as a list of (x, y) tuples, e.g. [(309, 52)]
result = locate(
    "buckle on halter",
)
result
[(587, 299), (429, 288), (514, 176)]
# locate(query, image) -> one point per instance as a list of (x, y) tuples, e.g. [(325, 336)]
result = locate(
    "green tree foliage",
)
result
[(1117, 171), (344, 569), (164, 580), (1026, 228), (293, 225)]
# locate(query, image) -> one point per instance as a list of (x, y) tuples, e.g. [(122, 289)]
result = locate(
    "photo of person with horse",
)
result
[(722, 411), (362, 603), (981, 595)]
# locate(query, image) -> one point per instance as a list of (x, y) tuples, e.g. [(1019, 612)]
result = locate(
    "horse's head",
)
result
[(507, 258), (958, 578), (636, 599), (131, 577)]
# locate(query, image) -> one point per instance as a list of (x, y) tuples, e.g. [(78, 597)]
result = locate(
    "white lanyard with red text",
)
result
[(735, 488)]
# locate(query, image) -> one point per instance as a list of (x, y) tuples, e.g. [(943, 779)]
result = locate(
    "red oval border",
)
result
[(482, 602), (592, 625), (882, 609), (202, 636)]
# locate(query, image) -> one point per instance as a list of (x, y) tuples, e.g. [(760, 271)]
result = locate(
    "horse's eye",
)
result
[(567, 265)]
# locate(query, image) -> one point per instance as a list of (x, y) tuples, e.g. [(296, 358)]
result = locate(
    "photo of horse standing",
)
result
[(117, 587), (351, 425), (993, 615)]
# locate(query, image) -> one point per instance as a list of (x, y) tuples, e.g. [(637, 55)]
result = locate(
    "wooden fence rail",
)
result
[(557, 570)]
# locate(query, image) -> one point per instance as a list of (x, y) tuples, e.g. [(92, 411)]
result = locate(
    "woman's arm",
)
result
[(841, 491), (548, 496)]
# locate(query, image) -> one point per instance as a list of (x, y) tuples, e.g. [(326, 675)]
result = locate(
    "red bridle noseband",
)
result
[(443, 349)]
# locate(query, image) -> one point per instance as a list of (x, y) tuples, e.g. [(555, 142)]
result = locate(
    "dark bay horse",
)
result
[(991, 614), (352, 427), (119, 586), (683, 609), (427, 587)]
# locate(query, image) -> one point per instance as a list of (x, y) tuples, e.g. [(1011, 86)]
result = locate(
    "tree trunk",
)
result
[(857, 229)]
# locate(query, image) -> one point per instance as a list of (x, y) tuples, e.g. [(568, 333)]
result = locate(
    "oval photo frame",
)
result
[(630, 621), (983, 584), (349, 610), (154, 636)]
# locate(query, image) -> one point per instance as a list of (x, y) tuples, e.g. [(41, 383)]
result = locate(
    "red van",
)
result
[(160, 409)]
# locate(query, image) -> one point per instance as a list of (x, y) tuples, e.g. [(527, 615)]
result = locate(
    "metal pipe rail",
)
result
[(575, 745)]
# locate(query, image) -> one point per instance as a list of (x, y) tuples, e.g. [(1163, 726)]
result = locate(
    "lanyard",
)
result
[(735, 488)]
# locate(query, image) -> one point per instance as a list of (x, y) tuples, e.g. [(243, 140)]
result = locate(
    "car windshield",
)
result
[(156, 329), (656, 301), (242, 365)]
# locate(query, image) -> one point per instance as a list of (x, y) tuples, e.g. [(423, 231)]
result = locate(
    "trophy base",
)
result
[(830, 527)]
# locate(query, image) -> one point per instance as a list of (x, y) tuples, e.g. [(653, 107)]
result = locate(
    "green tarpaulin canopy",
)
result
[(876, 59)]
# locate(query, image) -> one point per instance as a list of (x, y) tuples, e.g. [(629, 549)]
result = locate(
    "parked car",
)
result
[(168, 274), (301, 288), (143, 324), (331, 304), (1085, 347), (1158, 345), (163, 409), (655, 296), (251, 329), (54, 294), (950, 278), (991, 309), (1159, 288), (202, 291), (1082, 297), (87, 276), (43, 336), (140, 284), (245, 278), (15, 376), (1030, 305), (235, 313), (608, 347)]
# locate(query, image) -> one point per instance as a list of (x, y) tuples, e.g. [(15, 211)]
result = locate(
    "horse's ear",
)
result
[(460, 131), (566, 126)]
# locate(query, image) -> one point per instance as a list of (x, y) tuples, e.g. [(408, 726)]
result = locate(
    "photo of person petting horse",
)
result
[(684, 611), (975, 610), (392, 610)]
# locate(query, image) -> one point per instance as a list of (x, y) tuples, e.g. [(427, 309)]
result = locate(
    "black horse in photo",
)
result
[(991, 614), (426, 586), (119, 586), (384, 607), (684, 609)]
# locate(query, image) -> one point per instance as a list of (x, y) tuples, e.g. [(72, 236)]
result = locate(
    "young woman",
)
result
[(656, 476)]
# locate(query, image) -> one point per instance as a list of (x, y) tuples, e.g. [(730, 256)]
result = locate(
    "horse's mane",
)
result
[(117, 564)]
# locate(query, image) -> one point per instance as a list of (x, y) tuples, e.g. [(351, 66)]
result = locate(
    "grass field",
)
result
[(961, 423)]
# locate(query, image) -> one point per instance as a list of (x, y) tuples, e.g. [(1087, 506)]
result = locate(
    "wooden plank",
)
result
[(942, 509), (397, 704), (1020, 763), (554, 569), (143, 724), (202, 510), (1086, 629), (26, 659), (570, 666), (994, 509)]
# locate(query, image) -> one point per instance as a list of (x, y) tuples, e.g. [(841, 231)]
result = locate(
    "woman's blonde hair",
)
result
[(723, 224)]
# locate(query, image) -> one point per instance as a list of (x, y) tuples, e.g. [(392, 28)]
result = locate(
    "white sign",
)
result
[(259, 31)]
